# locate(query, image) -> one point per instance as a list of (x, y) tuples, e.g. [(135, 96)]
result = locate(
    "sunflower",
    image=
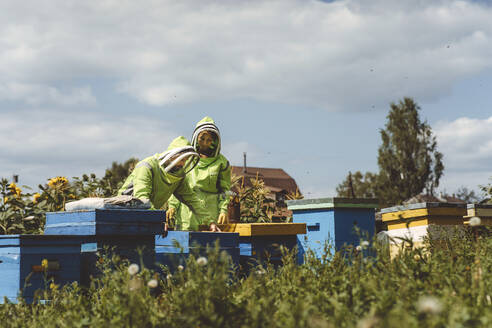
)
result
[(58, 182)]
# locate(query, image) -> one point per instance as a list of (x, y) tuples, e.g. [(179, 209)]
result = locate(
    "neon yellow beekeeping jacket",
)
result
[(210, 180), (149, 181)]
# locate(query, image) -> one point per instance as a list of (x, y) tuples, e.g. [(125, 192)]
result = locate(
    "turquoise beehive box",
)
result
[(334, 221)]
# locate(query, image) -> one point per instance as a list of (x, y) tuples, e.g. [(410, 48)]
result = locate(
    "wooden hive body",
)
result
[(21, 258), (174, 248), (261, 241), (108, 232), (483, 211), (413, 221), (333, 222), (105, 222)]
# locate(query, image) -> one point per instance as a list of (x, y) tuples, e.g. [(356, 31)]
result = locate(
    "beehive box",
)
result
[(483, 211), (31, 262), (173, 249), (332, 221), (259, 242), (109, 232), (94, 249), (105, 222), (414, 220)]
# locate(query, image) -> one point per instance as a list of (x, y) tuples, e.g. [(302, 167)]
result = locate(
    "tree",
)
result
[(358, 185), (117, 173), (408, 160), (467, 195)]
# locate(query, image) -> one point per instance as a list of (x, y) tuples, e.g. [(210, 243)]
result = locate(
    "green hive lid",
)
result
[(335, 202), (471, 206), (418, 206)]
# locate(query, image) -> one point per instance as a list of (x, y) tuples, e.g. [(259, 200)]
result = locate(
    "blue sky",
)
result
[(300, 85)]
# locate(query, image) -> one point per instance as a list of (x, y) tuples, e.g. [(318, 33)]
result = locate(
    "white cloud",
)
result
[(36, 94), (50, 143), (467, 147), (339, 55)]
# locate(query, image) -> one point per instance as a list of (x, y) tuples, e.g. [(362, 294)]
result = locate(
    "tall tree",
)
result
[(408, 160)]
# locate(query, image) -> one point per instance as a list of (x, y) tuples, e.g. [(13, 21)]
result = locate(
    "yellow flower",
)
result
[(14, 189), (5, 199), (71, 196), (53, 286), (58, 182), (35, 198), (44, 264)]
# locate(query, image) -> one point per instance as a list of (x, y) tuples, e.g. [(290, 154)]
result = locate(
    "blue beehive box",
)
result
[(106, 232), (333, 221), (135, 249), (176, 246), (261, 242), (105, 222), (39, 259), (261, 249)]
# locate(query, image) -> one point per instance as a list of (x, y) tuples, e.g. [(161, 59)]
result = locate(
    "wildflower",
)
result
[(152, 283), (53, 286), (475, 221), (35, 198), (44, 264), (5, 199), (260, 272), (14, 189), (364, 243), (180, 267), (202, 261), (169, 276), (358, 248), (429, 304), (133, 269), (60, 182)]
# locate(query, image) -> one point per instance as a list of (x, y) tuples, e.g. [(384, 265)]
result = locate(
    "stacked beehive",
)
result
[(333, 222), (413, 222)]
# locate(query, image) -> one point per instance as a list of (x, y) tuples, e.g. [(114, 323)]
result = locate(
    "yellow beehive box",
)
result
[(412, 221), (483, 211), (263, 229)]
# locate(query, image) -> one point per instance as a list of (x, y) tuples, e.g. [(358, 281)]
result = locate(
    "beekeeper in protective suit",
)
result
[(158, 177), (210, 179)]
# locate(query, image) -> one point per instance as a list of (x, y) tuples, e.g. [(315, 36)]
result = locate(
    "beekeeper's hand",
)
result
[(223, 219), (214, 227)]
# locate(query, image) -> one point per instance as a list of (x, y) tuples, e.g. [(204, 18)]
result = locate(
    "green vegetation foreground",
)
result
[(447, 285)]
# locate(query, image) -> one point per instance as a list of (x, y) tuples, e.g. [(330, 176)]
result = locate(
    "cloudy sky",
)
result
[(302, 85)]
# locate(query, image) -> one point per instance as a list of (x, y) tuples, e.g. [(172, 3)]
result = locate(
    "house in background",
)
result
[(276, 180)]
